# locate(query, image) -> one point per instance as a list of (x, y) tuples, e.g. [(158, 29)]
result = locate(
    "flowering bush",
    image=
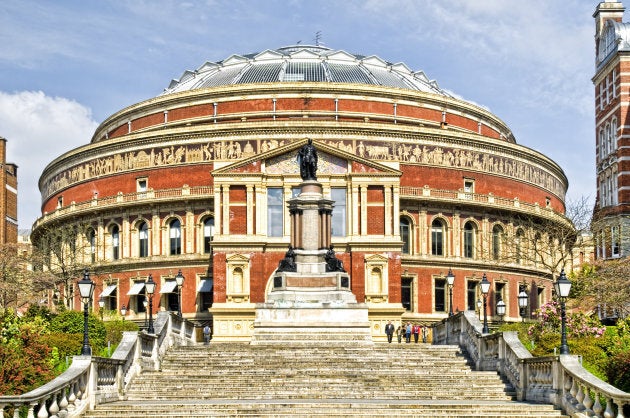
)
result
[(578, 324)]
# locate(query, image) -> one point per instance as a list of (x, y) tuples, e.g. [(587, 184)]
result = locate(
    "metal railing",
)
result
[(557, 380), (93, 380)]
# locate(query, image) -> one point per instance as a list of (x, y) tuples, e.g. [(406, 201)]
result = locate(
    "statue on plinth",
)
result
[(288, 262), (307, 160), (332, 262)]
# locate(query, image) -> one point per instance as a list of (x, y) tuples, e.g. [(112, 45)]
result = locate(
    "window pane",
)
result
[(208, 233), (115, 242), (143, 234), (339, 212), (404, 235), (274, 211), (437, 243), (440, 295), (175, 232)]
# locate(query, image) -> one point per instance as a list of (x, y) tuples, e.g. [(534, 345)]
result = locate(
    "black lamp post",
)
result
[(86, 288), (179, 279), (150, 286), (479, 302), (123, 312), (523, 301), (145, 303), (562, 287), (101, 305), (501, 309), (485, 288), (450, 280)]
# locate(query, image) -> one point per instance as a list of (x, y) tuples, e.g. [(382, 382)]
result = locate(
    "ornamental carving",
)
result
[(409, 153)]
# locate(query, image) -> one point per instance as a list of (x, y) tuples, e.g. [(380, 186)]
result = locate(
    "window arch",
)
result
[(115, 233), (175, 237), (405, 235), (208, 233), (601, 144), (143, 239), (518, 246), (470, 231), (497, 241), (612, 146), (437, 237)]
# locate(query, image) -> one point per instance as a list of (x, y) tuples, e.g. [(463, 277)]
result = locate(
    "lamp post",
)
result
[(150, 286), (86, 288), (145, 303), (123, 312), (450, 279), (485, 288), (562, 287), (523, 301), (501, 309), (179, 279), (101, 305)]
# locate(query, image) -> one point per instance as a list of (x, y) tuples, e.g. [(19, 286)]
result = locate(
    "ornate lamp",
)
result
[(450, 280), (86, 289), (179, 279), (150, 287), (501, 309), (123, 312), (485, 288), (562, 287), (523, 301), (101, 305)]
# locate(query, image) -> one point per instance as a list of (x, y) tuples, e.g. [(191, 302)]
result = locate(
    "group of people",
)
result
[(406, 331)]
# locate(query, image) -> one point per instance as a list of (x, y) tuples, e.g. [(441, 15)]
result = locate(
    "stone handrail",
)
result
[(92, 380), (557, 380)]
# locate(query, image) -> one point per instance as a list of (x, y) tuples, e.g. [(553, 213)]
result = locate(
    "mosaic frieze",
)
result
[(236, 150)]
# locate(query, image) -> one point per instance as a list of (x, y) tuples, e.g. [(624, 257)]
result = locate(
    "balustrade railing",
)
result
[(93, 380), (557, 380)]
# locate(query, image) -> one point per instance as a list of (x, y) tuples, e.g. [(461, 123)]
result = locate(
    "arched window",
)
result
[(497, 241), (208, 233), (469, 240), (143, 239), (115, 232), (405, 235), (92, 240), (518, 246), (175, 234), (437, 237)]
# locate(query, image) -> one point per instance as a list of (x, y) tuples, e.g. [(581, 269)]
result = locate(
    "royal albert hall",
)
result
[(198, 178)]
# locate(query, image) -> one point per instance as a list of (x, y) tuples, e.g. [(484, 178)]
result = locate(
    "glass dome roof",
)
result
[(304, 63)]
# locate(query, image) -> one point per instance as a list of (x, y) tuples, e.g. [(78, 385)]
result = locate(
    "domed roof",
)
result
[(304, 63)]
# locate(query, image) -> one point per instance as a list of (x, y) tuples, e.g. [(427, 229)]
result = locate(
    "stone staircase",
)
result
[(237, 379)]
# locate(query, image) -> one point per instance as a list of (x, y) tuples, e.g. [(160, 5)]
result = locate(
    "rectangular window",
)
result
[(614, 237), (499, 290), (469, 185), (141, 184), (471, 295), (406, 291), (338, 195), (59, 202), (274, 211), (440, 295)]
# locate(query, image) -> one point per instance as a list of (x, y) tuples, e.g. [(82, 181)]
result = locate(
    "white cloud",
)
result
[(38, 128)]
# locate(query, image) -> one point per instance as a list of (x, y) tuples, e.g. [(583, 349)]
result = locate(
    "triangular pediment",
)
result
[(281, 160)]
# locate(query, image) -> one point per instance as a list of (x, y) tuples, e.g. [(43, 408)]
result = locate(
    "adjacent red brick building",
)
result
[(198, 178)]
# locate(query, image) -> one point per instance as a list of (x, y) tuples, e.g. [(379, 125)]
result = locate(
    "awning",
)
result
[(205, 285), (169, 287), (108, 290), (136, 289)]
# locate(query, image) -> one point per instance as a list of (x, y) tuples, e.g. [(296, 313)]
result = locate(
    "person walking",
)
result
[(399, 333), (408, 333), (389, 331), (206, 334), (425, 331), (416, 333)]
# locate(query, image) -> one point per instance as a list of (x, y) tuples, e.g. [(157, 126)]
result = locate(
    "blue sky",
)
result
[(66, 65)]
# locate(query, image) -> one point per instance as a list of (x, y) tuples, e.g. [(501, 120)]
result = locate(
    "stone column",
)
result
[(388, 209), (125, 236), (363, 198), (250, 209), (217, 210)]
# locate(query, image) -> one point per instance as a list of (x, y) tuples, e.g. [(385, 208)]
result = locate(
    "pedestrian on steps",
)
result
[(408, 333), (416, 333), (206, 334), (399, 333), (389, 331)]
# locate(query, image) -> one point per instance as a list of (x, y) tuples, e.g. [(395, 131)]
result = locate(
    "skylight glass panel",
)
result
[(223, 77), (304, 71), (340, 73), (387, 78), (261, 73)]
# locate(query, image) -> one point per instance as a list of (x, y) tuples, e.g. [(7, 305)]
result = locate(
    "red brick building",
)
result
[(198, 178), (8, 198), (611, 226)]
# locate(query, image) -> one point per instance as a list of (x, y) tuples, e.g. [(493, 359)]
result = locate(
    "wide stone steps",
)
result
[(237, 379)]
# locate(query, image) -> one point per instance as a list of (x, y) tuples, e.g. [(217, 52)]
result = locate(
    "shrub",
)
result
[(115, 330), (618, 370), (71, 322)]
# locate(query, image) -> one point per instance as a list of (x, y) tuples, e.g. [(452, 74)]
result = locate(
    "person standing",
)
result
[(399, 333), (389, 331), (416, 333), (424, 333), (206, 334), (408, 333)]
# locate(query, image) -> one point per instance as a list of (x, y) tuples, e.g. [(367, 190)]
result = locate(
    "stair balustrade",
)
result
[(557, 380), (91, 380)]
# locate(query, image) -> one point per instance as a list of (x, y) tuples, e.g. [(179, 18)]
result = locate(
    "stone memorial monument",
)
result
[(311, 300)]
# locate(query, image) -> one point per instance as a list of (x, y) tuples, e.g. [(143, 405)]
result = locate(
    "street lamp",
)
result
[(562, 287), (86, 288), (450, 279), (150, 286), (479, 302), (145, 303), (123, 312), (101, 305), (485, 288), (179, 279), (501, 309), (523, 301)]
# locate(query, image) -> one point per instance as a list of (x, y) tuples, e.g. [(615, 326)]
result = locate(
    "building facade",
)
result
[(611, 223), (8, 198), (198, 180)]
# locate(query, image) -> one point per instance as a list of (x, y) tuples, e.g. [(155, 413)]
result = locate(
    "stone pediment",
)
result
[(282, 160)]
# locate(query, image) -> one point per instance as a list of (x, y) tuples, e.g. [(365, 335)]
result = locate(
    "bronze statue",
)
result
[(332, 262), (307, 160), (288, 262)]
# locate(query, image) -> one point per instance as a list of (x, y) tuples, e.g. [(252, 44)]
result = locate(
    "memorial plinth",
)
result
[(311, 300)]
